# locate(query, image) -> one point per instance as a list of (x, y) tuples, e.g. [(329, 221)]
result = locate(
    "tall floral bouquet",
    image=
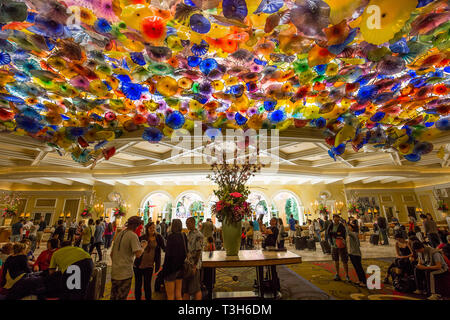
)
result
[(119, 212), (324, 210), (9, 211), (442, 206), (353, 208), (232, 192), (86, 213)]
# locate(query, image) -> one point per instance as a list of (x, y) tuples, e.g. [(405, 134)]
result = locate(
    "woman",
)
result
[(411, 223), (78, 233), (176, 251), (87, 236), (354, 253), (311, 229), (150, 260), (317, 229), (281, 234), (404, 255), (98, 239), (43, 261), (15, 268)]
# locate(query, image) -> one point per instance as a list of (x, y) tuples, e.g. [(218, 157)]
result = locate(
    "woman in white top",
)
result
[(311, 228)]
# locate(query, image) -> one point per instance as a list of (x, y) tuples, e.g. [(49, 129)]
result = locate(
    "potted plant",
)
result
[(232, 206)]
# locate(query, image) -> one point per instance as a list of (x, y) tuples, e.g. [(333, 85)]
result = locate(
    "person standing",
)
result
[(164, 228), (207, 231), (281, 234), (382, 226), (125, 249), (337, 236), (175, 255), (98, 239), (87, 235), (32, 235), (158, 227), (17, 230), (72, 229), (430, 229), (271, 234), (292, 228), (191, 286), (326, 225), (59, 232), (108, 235), (40, 231), (354, 252), (148, 262), (317, 228), (257, 237)]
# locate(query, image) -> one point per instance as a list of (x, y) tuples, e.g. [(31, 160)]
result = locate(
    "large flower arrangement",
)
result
[(232, 192), (86, 213), (442, 206), (9, 211), (324, 210), (353, 208), (119, 212)]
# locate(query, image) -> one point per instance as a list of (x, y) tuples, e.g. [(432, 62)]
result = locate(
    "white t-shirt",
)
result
[(123, 252)]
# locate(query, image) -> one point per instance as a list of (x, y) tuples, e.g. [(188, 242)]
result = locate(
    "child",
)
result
[(210, 246)]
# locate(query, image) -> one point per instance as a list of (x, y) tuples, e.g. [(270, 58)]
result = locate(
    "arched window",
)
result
[(259, 206), (189, 204), (157, 206), (288, 203)]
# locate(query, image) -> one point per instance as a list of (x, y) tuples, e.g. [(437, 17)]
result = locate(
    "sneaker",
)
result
[(418, 292), (337, 278), (434, 296)]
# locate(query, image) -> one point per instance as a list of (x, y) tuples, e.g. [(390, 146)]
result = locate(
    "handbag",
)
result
[(340, 243), (188, 268)]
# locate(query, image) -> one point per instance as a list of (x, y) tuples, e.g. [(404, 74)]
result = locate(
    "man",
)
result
[(207, 231), (430, 263), (40, 231), (382, 225), (272, 234), (158, 227), (72, 229), (98, 239), (126, 247), (68, 256), (17, 230), (59, 232), (337, 236), (109, 230), (326, 225), (292, 228), (191, 286), (164, 228), (430, 229), (256, 233)]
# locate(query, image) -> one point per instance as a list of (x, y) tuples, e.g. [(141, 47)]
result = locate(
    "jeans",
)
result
[(425, 279), (281, 244), (356, 262), (15, 238), (97, 246), (318, 235), (383, 233), (108, 240), (71, 234), (146, 275)]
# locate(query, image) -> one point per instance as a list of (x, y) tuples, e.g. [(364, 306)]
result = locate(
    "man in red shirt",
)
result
[(43, 261), (139, 229)]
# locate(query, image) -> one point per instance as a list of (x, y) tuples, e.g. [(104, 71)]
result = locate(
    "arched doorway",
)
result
[(189, 204), (157, 206), (208, 214), (288, 203), (260, 206)]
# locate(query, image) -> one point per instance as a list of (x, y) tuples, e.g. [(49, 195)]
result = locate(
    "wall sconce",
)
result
[(339, 206), (61, 215), (315, 205), (28, 215), (68, 215)]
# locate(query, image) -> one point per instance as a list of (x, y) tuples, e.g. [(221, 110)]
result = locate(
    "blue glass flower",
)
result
[(423, 3), (338, 48), (443, 124), (31, 113), (400, 46), (240, 119), (377, 116), (47, 28), (234, 9), (320, 122), (207, 65), (269, 105), (320, 69), (138, 58), (102, 25), (5, 58), (28, 124), (367, 93), (194, 61), (200, 49), (132, 91), (277, 116), (175, 120), (199, 23), (76, 132), (340, 149), (12, 98), (260, 62), (269, 6), (152, 135), (412, 157), (100, 145)]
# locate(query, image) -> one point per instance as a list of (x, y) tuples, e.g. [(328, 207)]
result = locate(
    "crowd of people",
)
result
[(137, 252)]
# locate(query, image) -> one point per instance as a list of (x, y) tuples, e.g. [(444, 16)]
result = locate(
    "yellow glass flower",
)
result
[(382, 19), (134, 14), (167, 86), (342, 9)]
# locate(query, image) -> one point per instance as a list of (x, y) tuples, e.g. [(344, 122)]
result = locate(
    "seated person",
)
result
[(43, 261), (271, 234), (404, 253), (430, 263), (69, 256), (29, 252), (5, 252)]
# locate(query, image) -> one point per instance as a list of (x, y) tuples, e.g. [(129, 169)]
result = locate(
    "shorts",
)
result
[(39, 235), (291, 233), (174, 276), (120, 289), (257, 235), (192, 285), (342, 252)]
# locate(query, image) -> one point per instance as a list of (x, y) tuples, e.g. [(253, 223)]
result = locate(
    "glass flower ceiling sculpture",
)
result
[(77, 74)]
